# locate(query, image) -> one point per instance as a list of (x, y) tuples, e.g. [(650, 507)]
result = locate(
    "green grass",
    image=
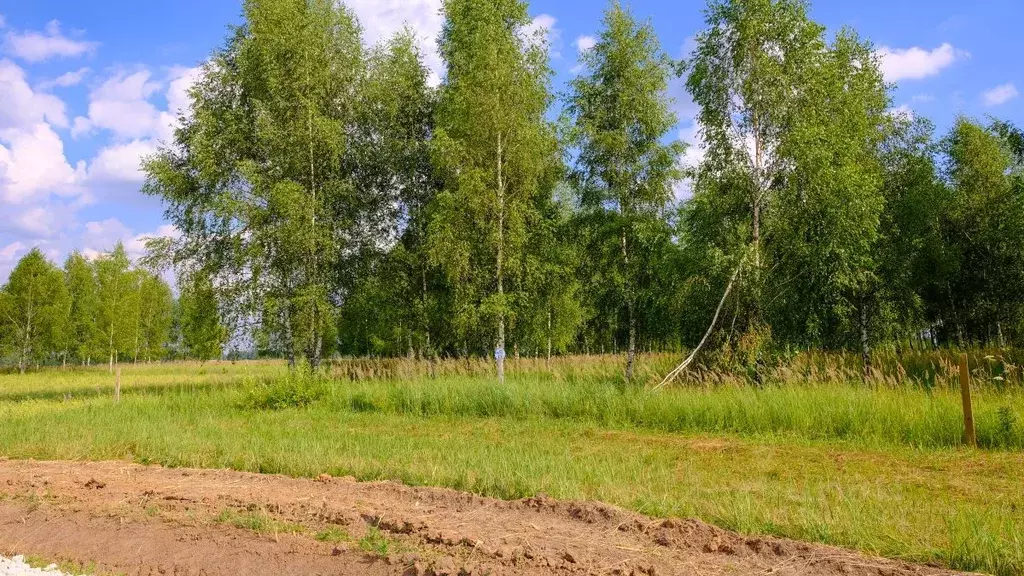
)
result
[(377, 543), (870, 416), (873, 468), (258, 522), (68, 566), (333, 535)]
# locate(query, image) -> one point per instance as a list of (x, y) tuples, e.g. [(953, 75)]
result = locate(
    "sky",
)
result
[(89, 88)]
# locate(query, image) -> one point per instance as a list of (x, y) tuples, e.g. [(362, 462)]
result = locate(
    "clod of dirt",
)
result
[(323, 478), (416, 569), (444, 566), (94, 483)]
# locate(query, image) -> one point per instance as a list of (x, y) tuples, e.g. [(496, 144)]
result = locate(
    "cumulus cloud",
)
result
[(33, 46), (585, 43), (1000, 95), (544, 27), (32, 161), (100, 238), (123, 104), (381, 19), (32, 165), (23, 107), (121, 162), (66, 79), (916, 63)]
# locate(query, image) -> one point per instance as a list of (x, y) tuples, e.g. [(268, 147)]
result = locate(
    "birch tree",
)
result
[(747, 75), (258, 178), (492, 147), (80, 277), (626, 174), (33, 309), (116, 305)]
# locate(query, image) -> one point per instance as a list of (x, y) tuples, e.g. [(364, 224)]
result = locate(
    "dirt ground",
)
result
[(129, 519)]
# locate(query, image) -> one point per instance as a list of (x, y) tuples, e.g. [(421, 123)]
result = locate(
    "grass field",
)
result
[(877, 467)]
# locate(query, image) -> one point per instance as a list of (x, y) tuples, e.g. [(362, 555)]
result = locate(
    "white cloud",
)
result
[(902, 111), (181, 81), (381, 19), (121, 162), (65, 80), (923, 99), (585, 43), (35, 46), (101, 237), (36, 221), (916, 63), (33, 166), (3, 23), (544, 27), (123, 105), (1000, 95), (23, 107), (9, 252)]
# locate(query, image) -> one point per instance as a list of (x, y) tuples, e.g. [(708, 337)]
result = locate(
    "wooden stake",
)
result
[(965, 392), (117, 386)]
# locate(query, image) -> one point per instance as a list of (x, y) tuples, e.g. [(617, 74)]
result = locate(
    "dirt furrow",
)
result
[(134, 519)]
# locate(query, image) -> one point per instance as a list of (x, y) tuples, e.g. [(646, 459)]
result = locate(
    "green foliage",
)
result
[(624, 174), (259, 179), (83, 290), (294, 391), (34, 311), (203, 334), (494, 153), (983, 232)]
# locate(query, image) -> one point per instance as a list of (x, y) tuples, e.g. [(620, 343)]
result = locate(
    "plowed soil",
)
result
[(132, 519)]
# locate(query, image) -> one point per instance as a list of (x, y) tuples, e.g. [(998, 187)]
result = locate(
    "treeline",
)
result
[(338, 203), (102, 311)]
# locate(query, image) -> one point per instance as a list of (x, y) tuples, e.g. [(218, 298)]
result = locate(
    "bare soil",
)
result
[(130, 519)]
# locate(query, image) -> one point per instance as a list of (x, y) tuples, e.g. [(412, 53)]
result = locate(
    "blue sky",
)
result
[(87, 88)]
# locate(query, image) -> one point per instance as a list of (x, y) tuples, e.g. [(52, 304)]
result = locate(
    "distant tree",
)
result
[(117, 305), (625, 172), (80, 277), (202, 333), (33, 309), (156, 316), (551, 311), (792, 182), (492, 147)]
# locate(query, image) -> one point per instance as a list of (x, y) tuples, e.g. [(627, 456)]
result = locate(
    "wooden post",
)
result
[(117, 385), (965, 392)]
